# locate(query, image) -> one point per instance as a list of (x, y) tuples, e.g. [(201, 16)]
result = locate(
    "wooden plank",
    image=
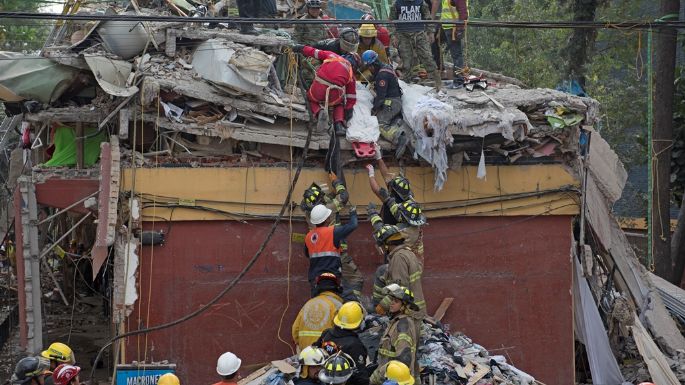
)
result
[(442, 309)]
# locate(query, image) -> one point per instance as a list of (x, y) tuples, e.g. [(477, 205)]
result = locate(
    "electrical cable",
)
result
[(234, 281)]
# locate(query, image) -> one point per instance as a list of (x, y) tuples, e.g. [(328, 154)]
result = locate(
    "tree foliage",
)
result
[(22, 35)]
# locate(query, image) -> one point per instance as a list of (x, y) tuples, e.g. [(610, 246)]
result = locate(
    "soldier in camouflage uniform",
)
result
[(414, 38), (310, 34)]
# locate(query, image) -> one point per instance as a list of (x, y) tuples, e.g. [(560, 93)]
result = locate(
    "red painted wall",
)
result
[(510, 276)]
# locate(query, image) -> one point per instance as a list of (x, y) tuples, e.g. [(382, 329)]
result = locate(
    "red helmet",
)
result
[(64, 373)]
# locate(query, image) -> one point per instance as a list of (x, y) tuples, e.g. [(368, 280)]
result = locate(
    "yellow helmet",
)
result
[(349, 316), (168, 379), (368, 30), (399, 372), (59, 352)]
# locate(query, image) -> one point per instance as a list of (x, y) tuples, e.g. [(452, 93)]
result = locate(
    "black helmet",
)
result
[(312, 196), (349, 40), (410, 212), (387, 233), (28, 368), (337, 369), (400, 185)]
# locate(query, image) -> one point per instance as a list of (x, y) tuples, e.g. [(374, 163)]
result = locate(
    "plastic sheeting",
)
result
[(363, 126), (33, 78), (429, 119), (65, 147), (590, 331)]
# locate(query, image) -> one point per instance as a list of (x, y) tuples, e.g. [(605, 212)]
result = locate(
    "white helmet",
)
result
[(319, 214), (312, 356), (227, 364)]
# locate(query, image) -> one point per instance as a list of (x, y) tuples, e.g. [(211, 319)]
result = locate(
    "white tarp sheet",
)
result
[(363, 126)]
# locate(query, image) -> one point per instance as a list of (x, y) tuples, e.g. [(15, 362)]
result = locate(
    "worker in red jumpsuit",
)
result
[(334, 85)]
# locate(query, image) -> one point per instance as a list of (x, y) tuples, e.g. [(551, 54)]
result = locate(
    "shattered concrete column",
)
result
[(30, 250)]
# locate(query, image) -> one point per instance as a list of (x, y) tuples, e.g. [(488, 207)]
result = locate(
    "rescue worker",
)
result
[(414, 38), (344, 335), (383, 35), (352, 278), (168, 379), (387, 103), (227, 367), (58, 353), (337, 369), (310, 34), (311, 361), (252, 9), (368, 40), (334, 86), (66, 374), (317, 314), (404, 267), (322, 243), (452, 35), (398, 188), (400, 339), (346, 42), (30, 371), (392, 373)]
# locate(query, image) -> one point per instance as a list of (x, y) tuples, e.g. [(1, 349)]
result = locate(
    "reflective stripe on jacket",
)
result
[(315, 316)]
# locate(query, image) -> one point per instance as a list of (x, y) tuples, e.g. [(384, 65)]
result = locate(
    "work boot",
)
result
[(248, 29), (340, 129), (402, 143), (438, 80), (457, 83)]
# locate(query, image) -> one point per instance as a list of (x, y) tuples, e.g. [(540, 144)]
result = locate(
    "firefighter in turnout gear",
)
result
[(317, 314), (337, 369), (394, 372), (344, 335), (334, 86), (387, 104), (404, 268), (414, 38), (400, 339), (398, 189), (352, 279)]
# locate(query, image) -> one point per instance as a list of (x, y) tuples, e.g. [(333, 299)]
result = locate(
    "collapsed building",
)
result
[(179, 143)]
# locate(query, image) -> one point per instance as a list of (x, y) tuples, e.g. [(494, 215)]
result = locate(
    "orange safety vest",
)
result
[(319, 243)]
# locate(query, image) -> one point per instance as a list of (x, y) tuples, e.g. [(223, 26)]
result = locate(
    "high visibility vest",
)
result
[(449, 12), (319, 243)]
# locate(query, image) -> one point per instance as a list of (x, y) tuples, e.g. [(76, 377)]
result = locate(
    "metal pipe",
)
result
[(46, 251), (71, 206)]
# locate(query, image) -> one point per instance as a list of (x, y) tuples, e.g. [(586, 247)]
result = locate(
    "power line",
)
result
[(634, 24)]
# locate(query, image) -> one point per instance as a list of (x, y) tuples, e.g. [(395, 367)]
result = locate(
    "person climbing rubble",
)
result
[(66, 374), (57, 354), (31, 371), (401, 337), (398, 188), (414, 38), (322, 243), (393, 373), (452, 35), (317, 314), (352, 279), (252, 9), (387, 103), (311, 361), (334, 86), (344, 335), (227, 367), (337, 369)]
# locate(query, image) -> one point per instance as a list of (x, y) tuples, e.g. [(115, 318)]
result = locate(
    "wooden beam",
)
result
[(442, 309)]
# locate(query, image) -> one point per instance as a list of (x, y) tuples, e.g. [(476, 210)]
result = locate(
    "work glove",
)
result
[(297, 48), (371, 209), (332, 177), (348, 114), (379, 154), (372, 172)]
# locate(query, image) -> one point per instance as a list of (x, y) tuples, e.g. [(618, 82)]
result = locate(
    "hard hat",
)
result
[(400, 185), (349, 315), (411, 212), (313, 3), (349, 39), (311, 197), (386, 234), (402, 293), (319, 214), (28, 368), (64, 373), (330, 347), (312, 356), (369, 57), (327, 282), (59, 352), (227, 364), (368, 30), (168, 379), (399, 372), (368, 16), (354, 59), (337, 369)]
